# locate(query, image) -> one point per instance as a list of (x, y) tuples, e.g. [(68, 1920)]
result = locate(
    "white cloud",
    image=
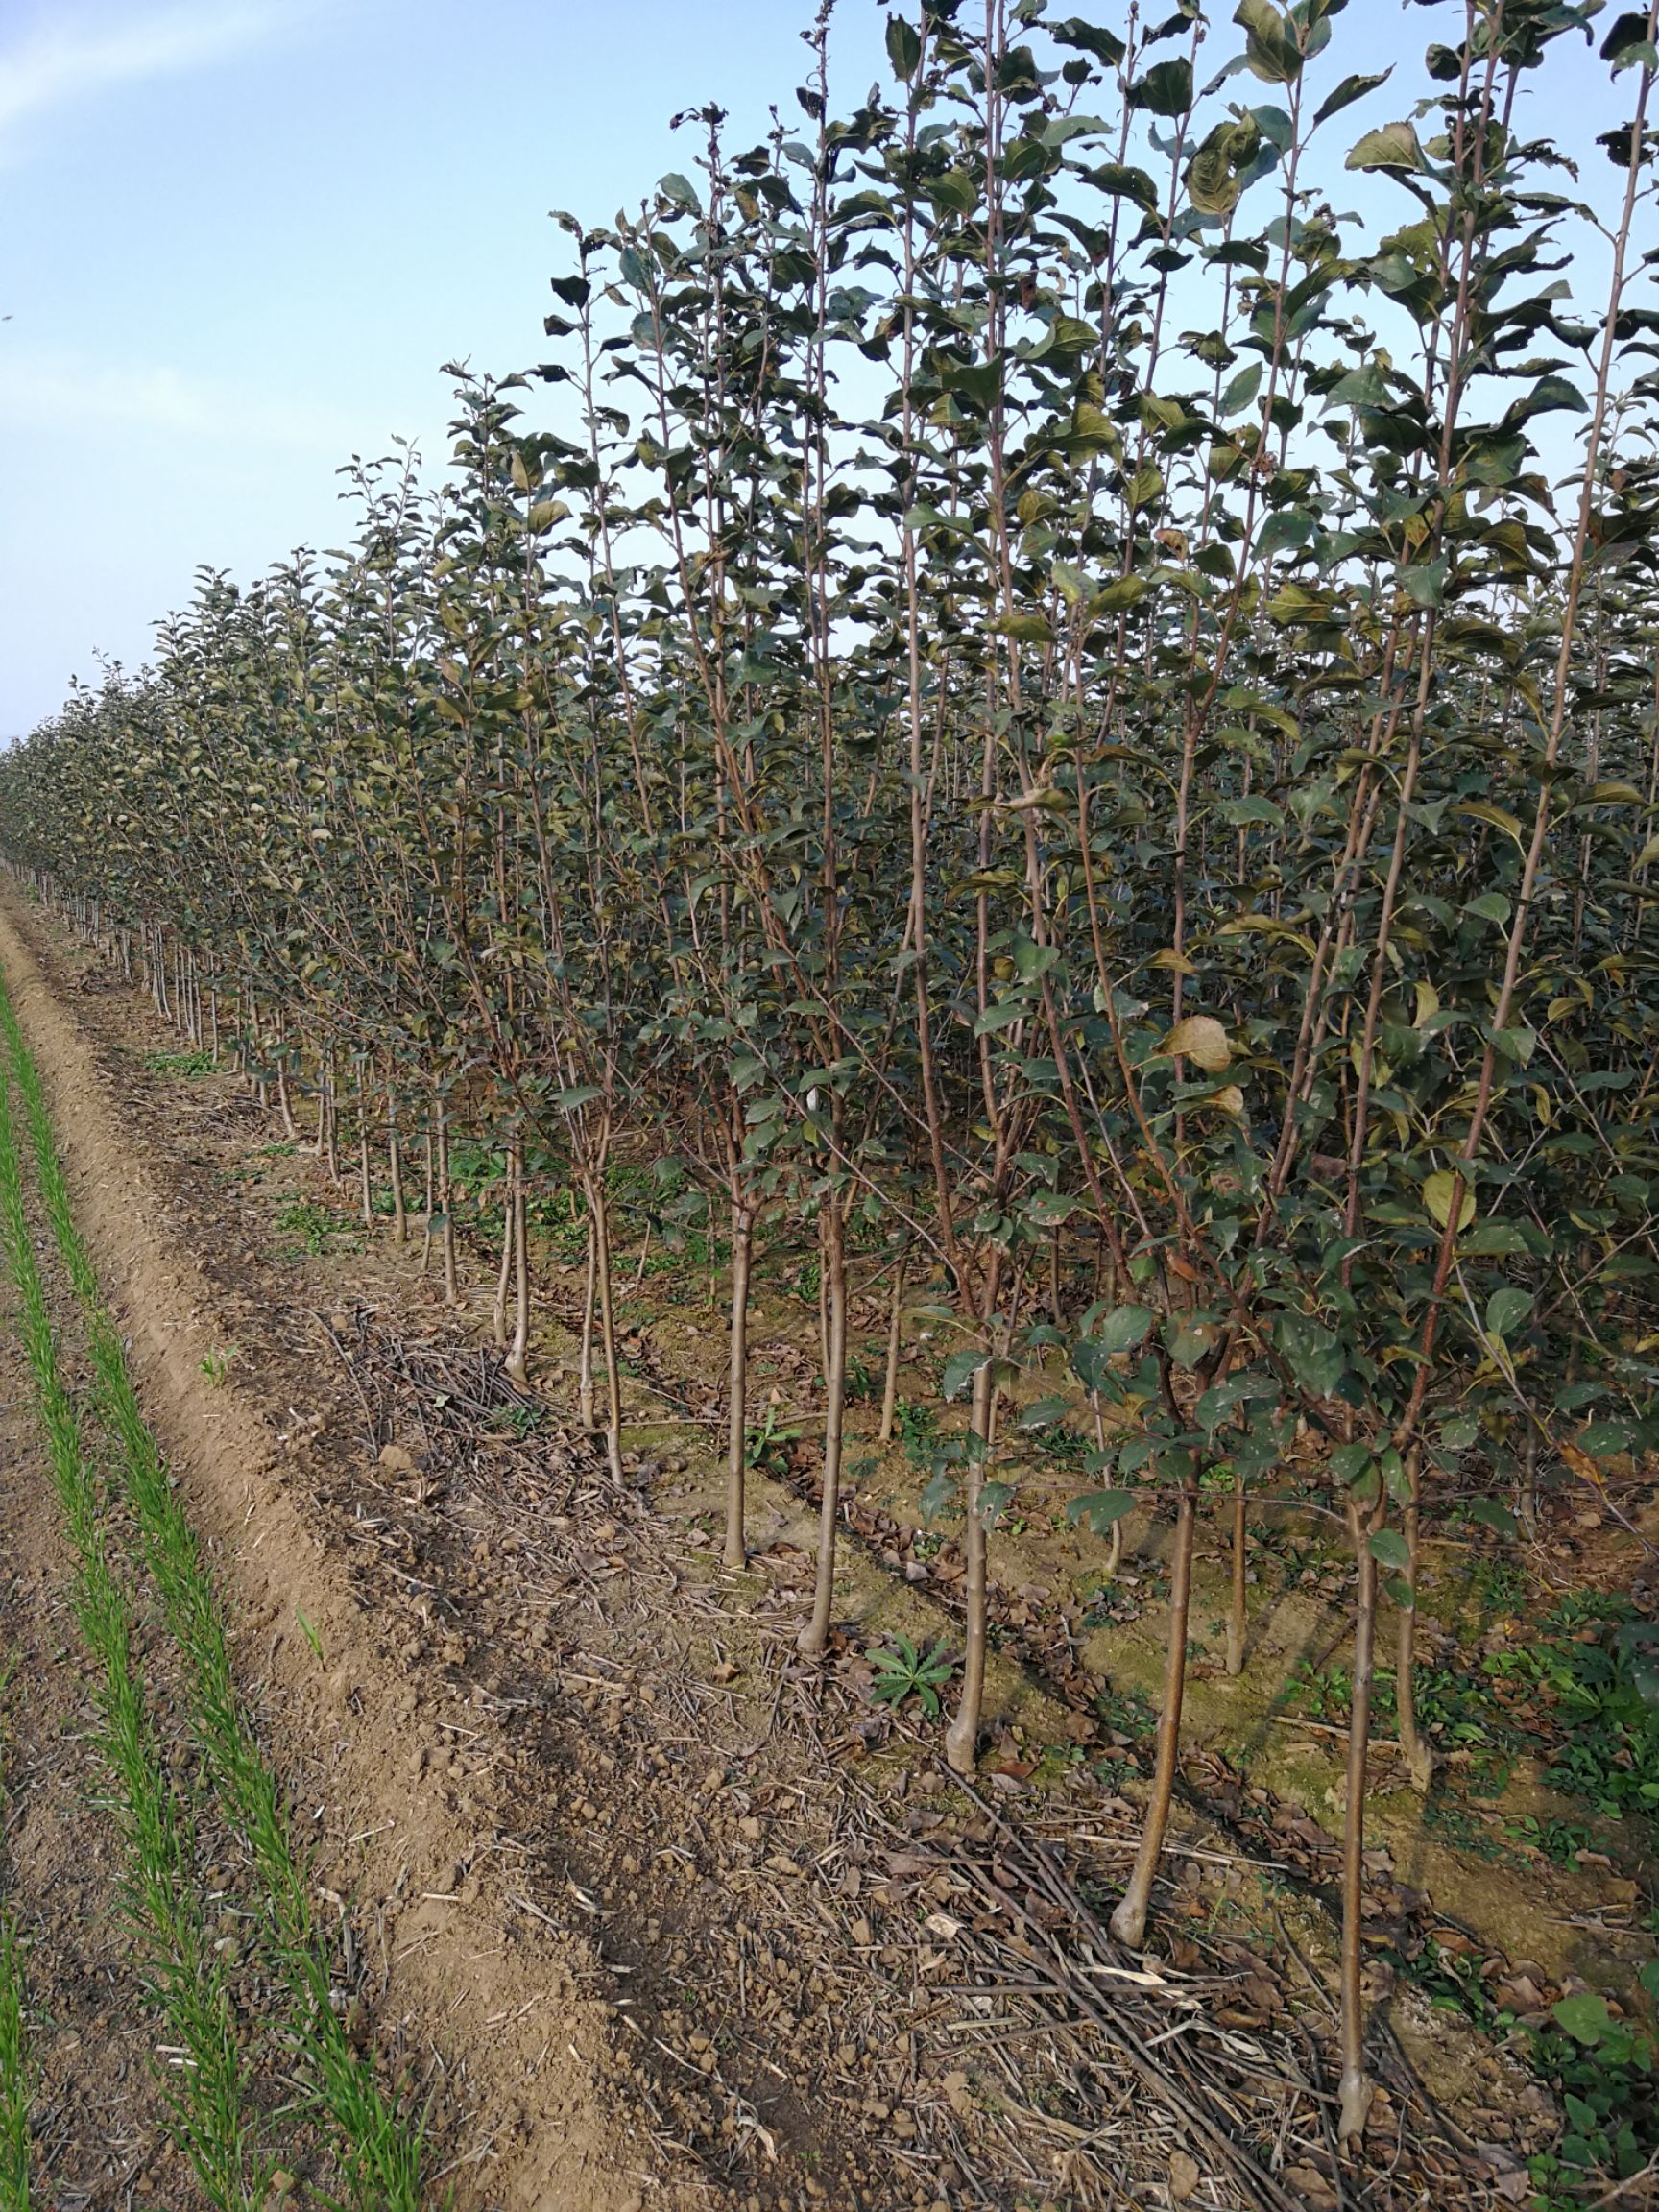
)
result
[(59, 61), (42, 392)]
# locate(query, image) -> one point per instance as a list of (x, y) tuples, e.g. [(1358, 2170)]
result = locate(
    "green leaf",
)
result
[(1123, 180), (903, 46), (1365, 387), (1105, 45), (1313, 1354), (940, 1490), (1097, 1509), (1627, 43), (1045, 1412), (1585, 2017), (1125, 1326), (1166, 89), (995, 1498), (1425, 582), (1349, 89), (1506, 1309), (1024, 629), (1437, 1190), (1390, 1549), (1548, 396), (1270, 45), (1603, 1439), (1286, 527), (1121, 595), (960, 1369), (1242, 388), (1393, 147), (1491, 1515)]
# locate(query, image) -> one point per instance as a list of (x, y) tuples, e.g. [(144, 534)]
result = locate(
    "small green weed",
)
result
[(917, 1429), (1606, 2071), (766, 1449), (1559, 1841), (517, 1420), (179, 1063), (217, 1363), (902, 1670), (862, 1382), (313, 1225)]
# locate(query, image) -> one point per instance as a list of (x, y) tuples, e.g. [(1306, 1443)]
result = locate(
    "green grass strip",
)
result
[(206, 2093), (15, 2069), (14, 2074), (381, 2146)]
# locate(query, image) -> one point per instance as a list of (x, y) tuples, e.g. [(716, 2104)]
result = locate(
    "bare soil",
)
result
[(654, 1913)]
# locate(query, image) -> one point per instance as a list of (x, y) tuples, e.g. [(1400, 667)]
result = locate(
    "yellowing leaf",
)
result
[(1500, 817), (1438, 1192), (1428, 1003), (1231, 1101), (1203, 1039)]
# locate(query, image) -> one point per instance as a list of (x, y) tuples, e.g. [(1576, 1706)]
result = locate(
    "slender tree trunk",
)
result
[(962, 1737), (446, 1198), (736, 1555), (1115, 1548), (823, 1313), (600, 1205), (894, 1329), (504, 1277), (1526, 1488), (519, 1351), (1236, 1618), (289, 1128), (585, 1372), (1355, 2089), (832, 1279), (431, 1191), (394, 1167), (1129, 1921), (365, 1178), (1419, 1758), (331, 1118)]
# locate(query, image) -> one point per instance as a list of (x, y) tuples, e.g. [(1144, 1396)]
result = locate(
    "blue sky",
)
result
[(241, 236)]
